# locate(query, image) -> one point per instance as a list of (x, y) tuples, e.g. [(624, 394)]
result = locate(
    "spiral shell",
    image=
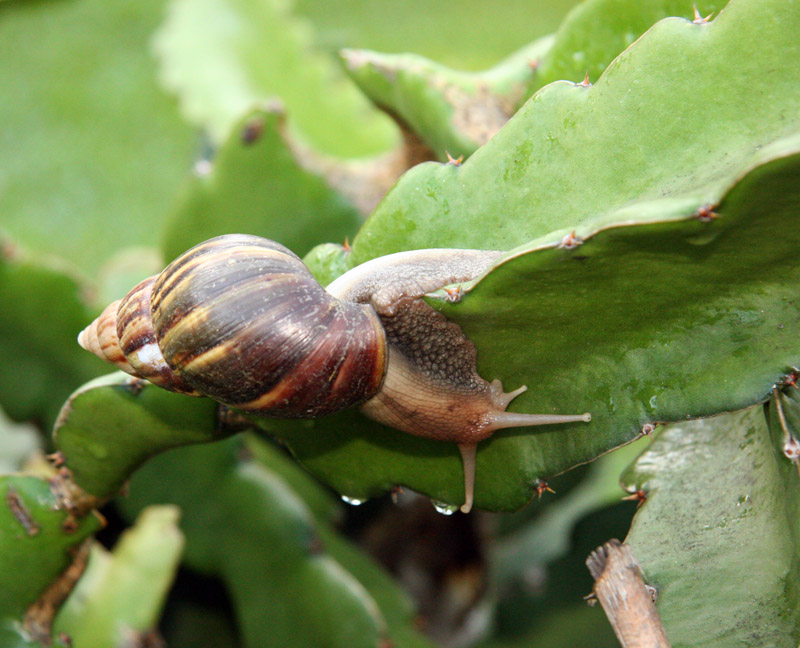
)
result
[(240, 319)]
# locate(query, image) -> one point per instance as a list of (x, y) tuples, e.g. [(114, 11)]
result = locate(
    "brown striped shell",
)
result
[(241, 319)]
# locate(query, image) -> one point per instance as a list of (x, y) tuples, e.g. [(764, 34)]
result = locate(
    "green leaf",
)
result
[(256, 186), (667, 129), (319, 501), (307, 598), (719, 535), (537, 600), (40, 362), (577, 627), (658, 315), (224, 57), (35, 542), (548, 537), (302, 587), (596, 31), (453, 112), (326, 262), (91, 150), (121, 594), (112, 425), (638, 325)]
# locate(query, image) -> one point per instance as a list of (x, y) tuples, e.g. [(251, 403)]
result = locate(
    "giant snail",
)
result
[(242, 320)]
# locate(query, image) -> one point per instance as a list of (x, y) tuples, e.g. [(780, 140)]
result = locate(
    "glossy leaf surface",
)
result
[(657, 136), (35, 543), (595, 32), (285, 568), (120, 595), (638, 325), (719, 535), (112, 425), (453, 112)]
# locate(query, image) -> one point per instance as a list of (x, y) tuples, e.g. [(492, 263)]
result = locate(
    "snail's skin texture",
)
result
[(240, 319)]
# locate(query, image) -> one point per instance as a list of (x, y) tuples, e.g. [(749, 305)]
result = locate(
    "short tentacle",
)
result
[(468, 458)]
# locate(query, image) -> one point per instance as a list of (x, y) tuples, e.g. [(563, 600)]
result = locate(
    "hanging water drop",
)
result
[(352, 501), (443, 508)]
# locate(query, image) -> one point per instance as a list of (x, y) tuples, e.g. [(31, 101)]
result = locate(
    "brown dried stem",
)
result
[(625, 598)]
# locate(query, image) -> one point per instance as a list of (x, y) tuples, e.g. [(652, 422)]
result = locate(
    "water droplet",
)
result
[(352, 501), (202, 168), (443, 508)]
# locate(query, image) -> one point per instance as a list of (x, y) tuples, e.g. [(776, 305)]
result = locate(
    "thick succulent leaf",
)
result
[(40, 362), (548, 536), (538, 569), (327, 261), (628, 325), (14, 638), (112, 425), (314, 594), (255, 185), (35, 542), (320, 501), (639, 325), (578, 626), (453, 112), (121, 594), (395, 605), (224, 57), (305, 582), (198, 624), (541, 597), (666, 129), (91, 150), (719, 534), (596, 31)]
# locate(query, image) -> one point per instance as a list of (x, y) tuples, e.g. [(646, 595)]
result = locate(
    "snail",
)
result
[(241, 319)]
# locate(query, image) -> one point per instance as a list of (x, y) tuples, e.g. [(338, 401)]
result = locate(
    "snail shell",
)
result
[(242, 320)]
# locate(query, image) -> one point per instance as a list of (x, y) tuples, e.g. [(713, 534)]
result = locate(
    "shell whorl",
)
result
[(241, 319)]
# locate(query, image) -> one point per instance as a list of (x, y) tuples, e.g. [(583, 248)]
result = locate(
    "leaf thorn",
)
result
[(454, 293), (648, 429), (454, 161), (570, 241), (639, 496), (698, 19), (706, 214), (541, 487)]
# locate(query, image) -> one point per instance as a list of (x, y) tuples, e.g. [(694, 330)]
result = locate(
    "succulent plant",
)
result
[(637, 174)]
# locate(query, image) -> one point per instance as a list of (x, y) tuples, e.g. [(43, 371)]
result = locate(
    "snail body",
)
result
[(240, 319)]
